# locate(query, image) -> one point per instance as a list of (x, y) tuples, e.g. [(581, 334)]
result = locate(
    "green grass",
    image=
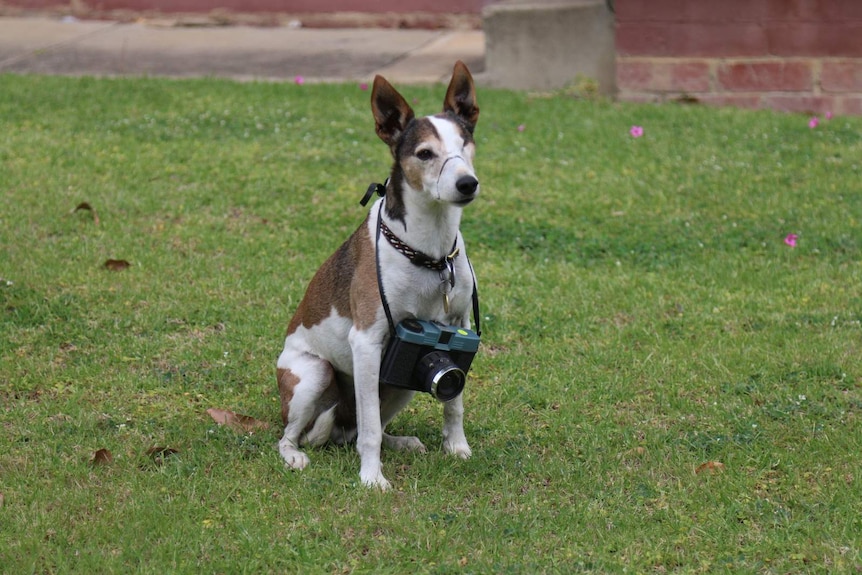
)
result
[(643, 317)]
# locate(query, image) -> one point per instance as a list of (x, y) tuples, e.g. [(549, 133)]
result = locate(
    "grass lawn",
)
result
[(665, 385)]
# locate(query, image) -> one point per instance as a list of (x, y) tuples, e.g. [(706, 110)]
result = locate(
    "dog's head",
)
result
[(433, 155)]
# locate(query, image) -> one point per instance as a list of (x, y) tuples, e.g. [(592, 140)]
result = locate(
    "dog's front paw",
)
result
[(293, 457), (459, 448), (375, 480)]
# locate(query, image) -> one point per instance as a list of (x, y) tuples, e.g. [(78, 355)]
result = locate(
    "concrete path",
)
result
[(75, 47)]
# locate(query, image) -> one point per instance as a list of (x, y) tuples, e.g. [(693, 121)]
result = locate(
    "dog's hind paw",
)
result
[(460, 449), (403, 443)]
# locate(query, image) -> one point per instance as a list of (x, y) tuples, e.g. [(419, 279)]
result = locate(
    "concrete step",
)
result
[(548, 44)]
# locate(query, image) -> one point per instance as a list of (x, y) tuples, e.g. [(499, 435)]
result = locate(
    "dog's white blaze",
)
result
[(450, 135), (456, 160), (325, 340)]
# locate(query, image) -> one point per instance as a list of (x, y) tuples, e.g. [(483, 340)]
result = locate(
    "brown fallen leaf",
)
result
[(85, 206), (102, 457), (236, 421), (117, 265), (2, 500), (710, 466)]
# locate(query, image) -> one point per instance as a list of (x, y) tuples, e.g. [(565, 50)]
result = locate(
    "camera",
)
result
[(430, 357)]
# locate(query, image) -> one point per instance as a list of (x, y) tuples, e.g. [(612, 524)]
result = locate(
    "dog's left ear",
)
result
[(461, 95), (391, 111)]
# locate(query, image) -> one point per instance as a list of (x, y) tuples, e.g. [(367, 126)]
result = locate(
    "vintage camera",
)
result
[(429, 356)]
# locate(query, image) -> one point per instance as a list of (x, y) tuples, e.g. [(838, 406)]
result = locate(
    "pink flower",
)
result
[(790, 240), (363, 86), (828, 115), (813, 122), (522, 127), (299, 80), (636, 131)]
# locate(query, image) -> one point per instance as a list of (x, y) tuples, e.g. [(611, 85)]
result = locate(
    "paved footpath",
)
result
[(79, 47)]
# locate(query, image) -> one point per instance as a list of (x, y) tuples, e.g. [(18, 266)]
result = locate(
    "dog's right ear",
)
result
[(391, 111)]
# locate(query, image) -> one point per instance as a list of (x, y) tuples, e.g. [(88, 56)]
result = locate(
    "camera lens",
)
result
[(440, 376)]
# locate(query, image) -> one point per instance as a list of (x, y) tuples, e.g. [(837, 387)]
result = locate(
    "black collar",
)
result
[(415, 256)]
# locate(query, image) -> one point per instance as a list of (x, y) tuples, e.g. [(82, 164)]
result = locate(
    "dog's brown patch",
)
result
[(346, 282), (365, 301), (287, 381), (420, 131)]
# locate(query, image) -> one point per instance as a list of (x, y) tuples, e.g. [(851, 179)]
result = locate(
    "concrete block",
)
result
[(547, 44)]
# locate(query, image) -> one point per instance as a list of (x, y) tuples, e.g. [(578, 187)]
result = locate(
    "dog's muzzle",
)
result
[(466, 184)]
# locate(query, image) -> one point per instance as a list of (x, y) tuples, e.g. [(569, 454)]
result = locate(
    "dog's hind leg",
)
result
[(392, 402), (302, 381)]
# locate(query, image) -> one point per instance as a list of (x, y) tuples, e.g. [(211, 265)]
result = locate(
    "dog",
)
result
[(328, 372)]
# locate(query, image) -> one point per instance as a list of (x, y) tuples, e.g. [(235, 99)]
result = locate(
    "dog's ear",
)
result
[(461, 95), (391, 111)]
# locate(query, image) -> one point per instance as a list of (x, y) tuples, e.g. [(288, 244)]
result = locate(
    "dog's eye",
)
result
[(425, 154)]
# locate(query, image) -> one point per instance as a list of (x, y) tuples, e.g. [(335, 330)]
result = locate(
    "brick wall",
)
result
[(287, 6), (793, 55)]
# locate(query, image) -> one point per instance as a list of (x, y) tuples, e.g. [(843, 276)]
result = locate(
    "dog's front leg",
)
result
[(454, 440), (367, 348)]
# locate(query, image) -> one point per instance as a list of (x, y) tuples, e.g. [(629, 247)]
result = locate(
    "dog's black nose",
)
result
[(467, 185)]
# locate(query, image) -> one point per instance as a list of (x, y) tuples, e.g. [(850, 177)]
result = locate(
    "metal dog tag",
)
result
[(446, 285)]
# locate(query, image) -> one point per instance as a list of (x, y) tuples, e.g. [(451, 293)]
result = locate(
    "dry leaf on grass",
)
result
[(236, 421), (710, 467), (85, 206), (102, 457), (117, 265)]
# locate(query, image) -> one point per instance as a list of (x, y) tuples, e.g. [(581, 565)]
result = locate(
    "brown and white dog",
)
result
[(328, 372)]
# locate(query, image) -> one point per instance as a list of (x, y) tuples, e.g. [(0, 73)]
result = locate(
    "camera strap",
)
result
[(424, 261)]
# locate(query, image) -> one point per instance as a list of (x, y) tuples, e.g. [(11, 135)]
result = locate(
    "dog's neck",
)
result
[(430, 227)]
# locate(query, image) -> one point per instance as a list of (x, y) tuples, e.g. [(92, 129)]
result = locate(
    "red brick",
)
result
[(639, 97), (765, 76), (660, 75), (288, 6), (726, 11), (639, 39), (649, 10), (820, 39), (849, 106), (689, 76), (804, 103), (634, 76), (841, 76), (686, 40), (750, 101), (813, 10), (689, 11), (725, 40), (794, 10)]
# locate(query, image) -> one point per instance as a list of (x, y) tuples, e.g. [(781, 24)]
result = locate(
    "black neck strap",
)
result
[(381, 225)]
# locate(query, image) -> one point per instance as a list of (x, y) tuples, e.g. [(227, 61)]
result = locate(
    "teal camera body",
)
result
[(430, 357)]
